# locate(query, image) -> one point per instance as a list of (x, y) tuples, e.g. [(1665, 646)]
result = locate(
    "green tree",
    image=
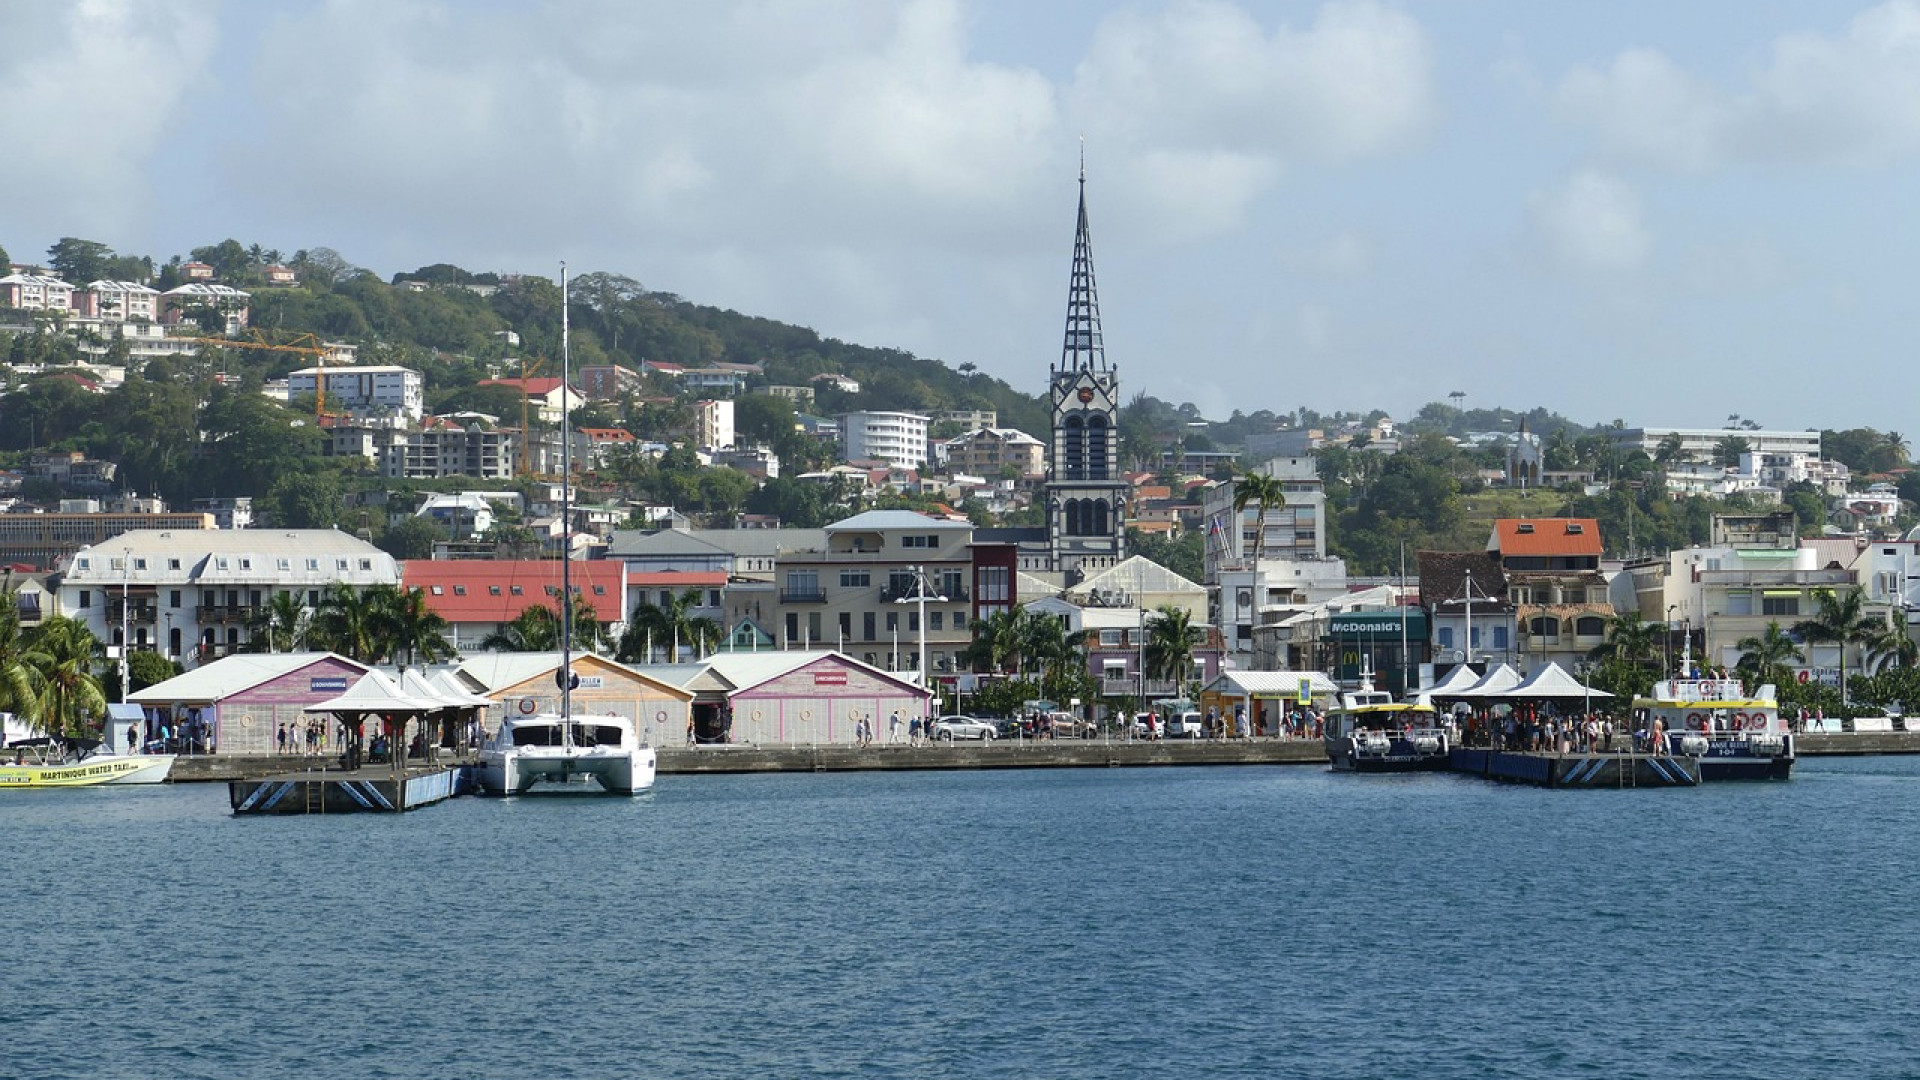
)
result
[(306, 500), (1259, 490), (63, 652), (1171, 639), (77, 261), (1727, 451), (1766, 656), (1629, 639), (348, 621), (413, 538), (1841, 620), (285, 622), (535, 629), (412, 628), (995, 642), (668, 626), (21, 686)]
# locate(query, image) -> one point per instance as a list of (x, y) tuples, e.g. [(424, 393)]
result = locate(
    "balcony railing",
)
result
[(1831, 579), (814, 595), (231, 612), (140, 613), (958, 594)]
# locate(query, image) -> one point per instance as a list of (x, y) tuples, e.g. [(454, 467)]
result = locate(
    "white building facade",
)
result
[(897, 438)]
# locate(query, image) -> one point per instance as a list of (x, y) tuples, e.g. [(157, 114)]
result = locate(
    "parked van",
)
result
[(1186, 725)]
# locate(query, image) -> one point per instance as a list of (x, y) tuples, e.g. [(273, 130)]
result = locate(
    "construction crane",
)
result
[(306, 344), (526, 418)]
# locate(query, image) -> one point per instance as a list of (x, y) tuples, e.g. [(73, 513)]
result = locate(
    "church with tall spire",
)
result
[(1085, 493)]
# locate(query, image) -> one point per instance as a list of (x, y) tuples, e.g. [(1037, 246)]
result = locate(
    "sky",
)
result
[(1665, 214)]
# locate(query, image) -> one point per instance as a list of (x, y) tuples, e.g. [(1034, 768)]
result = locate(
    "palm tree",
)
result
[(1891, 647), (1171, 638), (348, 623), (1044, 643), (1629, 639), (1842, 620), (1257, 489), (1672, 449), (20, 682), (667, 626), (412, 627), (285, 622), (535, 629), (1766, 656), (62, 652), (995, 641)]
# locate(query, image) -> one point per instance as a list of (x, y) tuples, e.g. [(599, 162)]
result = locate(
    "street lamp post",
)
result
[(1666, 643), (920, 598), (126, 621)]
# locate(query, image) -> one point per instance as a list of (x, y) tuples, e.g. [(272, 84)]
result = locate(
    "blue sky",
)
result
[(1662, 213)]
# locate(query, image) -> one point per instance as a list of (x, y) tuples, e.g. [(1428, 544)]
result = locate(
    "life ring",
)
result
[(246, 721), (660, 717), (527, 705), (1696, 721), (1804, 676)]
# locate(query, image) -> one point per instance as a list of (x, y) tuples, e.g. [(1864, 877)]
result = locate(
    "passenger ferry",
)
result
[(558, 750), (1735, 736), (1370, 732), (45, 763)]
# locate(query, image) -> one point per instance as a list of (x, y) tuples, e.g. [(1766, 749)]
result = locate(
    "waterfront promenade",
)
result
[(1001, 754)]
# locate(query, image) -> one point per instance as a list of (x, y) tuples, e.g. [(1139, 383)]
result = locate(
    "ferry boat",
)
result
[(49, 763), (1735, 735), (558, 750), (1368, 731)]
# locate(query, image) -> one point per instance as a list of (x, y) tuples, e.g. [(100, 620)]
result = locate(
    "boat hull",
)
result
[(526, 770), (1399, 758), (93, 772), (1746, 768)]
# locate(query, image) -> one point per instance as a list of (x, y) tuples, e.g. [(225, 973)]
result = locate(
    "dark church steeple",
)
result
[(1086, 496), (1083, 349)]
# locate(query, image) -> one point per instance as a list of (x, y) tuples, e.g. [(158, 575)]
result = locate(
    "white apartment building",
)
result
[(1699, 443), (196, 595), (897, 438), (229, 301), (1294, 531), (375, 389), (713, 424)]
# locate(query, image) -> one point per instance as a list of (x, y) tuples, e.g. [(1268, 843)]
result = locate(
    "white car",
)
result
[(949, 728)]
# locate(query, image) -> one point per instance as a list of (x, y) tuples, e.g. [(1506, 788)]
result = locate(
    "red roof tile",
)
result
[(483, 591), (1547, 536)]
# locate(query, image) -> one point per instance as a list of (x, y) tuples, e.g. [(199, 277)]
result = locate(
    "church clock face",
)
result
[(1086, 394)]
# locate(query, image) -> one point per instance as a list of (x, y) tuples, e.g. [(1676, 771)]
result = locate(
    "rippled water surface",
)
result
[(1214, 922)]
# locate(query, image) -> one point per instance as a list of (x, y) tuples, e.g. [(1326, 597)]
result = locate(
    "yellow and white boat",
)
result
[(45, 763)]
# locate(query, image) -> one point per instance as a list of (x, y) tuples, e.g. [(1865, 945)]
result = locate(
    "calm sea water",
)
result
[(1115, 923)]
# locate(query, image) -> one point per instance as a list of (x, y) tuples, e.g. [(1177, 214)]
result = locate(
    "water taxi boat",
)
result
[(1736, 735), (50, 763), (1368, 731)]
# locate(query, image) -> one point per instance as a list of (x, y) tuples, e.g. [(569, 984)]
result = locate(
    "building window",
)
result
[(493, 590), (1110, 638), (867, 621), (459, 590), (173, 564), (993, 585), (1442, 636), (86, 598), (1780, 603), (1739, 601), (846, 625), (312, 564), (173, 598), (1500, 637), (516, 590), (220, 564), (893, 621), (934, 621), (793, 627), (855, 579), (139, 564), (713, 598), (246, 564), (1589, 626)]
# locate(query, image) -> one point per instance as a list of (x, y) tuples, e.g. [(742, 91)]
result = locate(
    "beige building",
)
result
[(854, 594), (989, 450)]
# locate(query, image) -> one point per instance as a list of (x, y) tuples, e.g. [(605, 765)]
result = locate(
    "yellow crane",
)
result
[(306, 344)]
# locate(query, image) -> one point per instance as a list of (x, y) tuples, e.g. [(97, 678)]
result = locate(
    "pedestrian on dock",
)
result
[(913, 732), (893, 727)]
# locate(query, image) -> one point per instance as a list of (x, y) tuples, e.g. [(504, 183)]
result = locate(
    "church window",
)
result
[(1074, 448), (1097, 448)]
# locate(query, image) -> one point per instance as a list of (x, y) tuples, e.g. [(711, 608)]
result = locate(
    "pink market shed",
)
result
[(249, 698), (811, 697)]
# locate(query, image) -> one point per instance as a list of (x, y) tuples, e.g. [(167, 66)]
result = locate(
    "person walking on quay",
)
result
[(913, 732), (893, 727)]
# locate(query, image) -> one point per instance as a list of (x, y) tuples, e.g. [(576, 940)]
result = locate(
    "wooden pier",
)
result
[(1577, 770), (376, 789)]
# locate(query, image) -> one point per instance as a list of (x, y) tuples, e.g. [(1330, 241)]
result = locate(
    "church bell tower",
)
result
[(1086, 496)]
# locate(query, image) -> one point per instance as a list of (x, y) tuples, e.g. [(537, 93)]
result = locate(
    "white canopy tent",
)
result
[(1553, 681)]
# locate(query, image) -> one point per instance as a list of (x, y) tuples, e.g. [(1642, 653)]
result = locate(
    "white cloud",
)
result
[(1344, 255), (93, 90), (1217, 107), (1848, 97), (1591, 222)]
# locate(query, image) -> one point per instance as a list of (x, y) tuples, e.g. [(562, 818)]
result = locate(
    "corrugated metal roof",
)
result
[(229, 676), (464, 590)]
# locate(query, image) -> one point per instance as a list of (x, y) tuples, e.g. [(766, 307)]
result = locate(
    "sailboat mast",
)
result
[(566, 513)]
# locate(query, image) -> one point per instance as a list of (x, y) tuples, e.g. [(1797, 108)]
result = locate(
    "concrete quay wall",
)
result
[(1001, 754)]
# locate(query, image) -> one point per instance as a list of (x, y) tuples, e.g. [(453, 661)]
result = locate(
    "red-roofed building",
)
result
[(1552, 567), (546, 394), (590, 444), (478, 597), (657, 588)]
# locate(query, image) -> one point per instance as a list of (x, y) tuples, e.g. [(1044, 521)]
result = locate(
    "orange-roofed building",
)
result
[(1559, 595), (545, 393), (479, 596)]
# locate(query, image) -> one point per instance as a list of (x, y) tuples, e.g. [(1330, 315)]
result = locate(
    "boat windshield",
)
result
[(551, 734)]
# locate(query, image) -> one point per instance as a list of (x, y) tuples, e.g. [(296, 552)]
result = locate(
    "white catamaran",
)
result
[(559, 749)]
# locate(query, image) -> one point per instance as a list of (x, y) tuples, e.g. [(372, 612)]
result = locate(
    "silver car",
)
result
[(949, 728)]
